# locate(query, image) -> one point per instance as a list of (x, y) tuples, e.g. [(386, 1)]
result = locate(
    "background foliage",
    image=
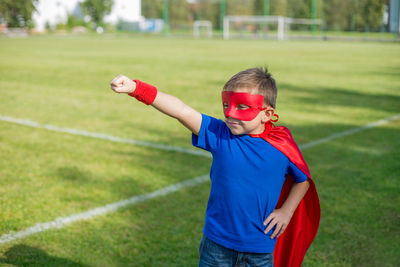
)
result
[(96, 9), (18, 13), (360, 15), (354, 15)]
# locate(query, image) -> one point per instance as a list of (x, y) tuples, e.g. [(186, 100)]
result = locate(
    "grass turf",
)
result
[(324, 88)]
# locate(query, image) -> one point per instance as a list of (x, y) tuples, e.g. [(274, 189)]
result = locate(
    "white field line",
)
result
[(63, 221), (103, 136), (351, 131)]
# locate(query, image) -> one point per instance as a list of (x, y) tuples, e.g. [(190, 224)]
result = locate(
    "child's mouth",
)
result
[(231, 123)]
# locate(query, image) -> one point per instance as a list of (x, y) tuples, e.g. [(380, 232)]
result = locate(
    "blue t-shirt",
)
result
[(247, 175)]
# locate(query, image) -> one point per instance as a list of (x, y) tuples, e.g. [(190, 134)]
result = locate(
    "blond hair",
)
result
[(255, 78)]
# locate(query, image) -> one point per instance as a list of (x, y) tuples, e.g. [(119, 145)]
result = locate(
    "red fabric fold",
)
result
[(293, 244)]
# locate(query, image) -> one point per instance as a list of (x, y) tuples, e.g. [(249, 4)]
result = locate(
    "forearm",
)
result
[(163, 102), (282, 216), (174, 107), (296, 194)]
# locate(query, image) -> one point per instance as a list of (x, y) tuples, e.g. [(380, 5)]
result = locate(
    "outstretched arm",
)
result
[(163, 102), (281, 217)]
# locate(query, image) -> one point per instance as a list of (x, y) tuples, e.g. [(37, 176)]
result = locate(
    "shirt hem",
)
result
[(248, 249)]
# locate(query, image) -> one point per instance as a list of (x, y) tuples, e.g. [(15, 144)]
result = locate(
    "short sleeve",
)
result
[(210, 133), (296, 173)]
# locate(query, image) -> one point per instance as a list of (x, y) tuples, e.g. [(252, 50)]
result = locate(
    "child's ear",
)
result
[(268, 114)]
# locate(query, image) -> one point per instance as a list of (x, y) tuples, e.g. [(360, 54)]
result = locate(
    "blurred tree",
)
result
[(240, 7), (179, 12), (152, 8), (208, 10), (338, 14), (73, 21), (278, 7), (96, 9), (359, 15), (373, 13), (18, 13), (355, 18), (258, 7), (299, 8)]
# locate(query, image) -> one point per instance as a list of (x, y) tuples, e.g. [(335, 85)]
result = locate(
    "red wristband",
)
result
[(144, 92)]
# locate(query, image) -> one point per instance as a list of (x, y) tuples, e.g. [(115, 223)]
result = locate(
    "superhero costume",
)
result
[(292, 245), (226, 183)]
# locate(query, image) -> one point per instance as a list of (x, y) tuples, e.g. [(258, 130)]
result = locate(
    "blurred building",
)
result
[(52, 12)]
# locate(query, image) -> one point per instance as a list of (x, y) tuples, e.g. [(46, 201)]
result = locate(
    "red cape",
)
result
[(292, 245)]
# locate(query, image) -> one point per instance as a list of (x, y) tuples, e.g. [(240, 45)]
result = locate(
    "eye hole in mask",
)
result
[(241, 105)]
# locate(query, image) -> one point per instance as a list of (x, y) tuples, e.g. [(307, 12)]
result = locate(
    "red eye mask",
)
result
[(233, 100)]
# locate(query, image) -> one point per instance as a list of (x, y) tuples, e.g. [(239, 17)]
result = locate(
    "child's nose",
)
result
[(230, 111)]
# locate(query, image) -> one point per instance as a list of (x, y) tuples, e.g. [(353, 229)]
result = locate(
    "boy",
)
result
[(253, 162)]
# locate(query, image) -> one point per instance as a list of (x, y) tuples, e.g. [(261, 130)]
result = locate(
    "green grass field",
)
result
[(324, 88)]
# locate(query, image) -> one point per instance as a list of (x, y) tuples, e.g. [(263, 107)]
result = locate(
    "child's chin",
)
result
[(236, 131)]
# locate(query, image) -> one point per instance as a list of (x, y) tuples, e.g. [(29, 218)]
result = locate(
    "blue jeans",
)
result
[(215, 255)]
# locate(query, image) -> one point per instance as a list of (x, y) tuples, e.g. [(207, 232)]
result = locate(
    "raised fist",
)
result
[(122, 84)]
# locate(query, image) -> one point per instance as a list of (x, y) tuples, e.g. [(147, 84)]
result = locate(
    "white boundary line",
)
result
[(351, 131), (64, 221), (103, 136)]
